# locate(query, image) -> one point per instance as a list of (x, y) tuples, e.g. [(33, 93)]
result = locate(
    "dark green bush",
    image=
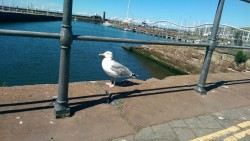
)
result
[(240, 57)]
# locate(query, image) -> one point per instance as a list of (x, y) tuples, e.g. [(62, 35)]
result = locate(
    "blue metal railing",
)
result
[(66, 38)]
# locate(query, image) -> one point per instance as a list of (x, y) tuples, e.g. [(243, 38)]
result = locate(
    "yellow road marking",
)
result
[(229, 130), (217, 134), (244, 124), (239, 135), (231, 138)]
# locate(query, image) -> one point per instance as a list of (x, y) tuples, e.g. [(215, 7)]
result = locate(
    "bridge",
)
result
[(225, 31), (17, 14), (227, 34)]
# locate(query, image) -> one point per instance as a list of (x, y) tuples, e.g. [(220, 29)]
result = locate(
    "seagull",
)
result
[(114, 69)]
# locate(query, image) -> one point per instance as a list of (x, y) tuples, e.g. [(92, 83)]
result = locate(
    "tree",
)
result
[(240, 57)]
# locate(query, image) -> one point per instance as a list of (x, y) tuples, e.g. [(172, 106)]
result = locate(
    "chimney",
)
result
[(103, 17)]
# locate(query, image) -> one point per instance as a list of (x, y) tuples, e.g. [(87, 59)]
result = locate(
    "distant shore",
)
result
[(20, 17)]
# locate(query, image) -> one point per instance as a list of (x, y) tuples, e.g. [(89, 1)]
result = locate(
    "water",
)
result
[(27, 61)]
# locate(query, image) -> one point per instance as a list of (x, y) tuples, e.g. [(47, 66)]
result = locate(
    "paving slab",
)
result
[(179, 130), (178, 123), (164, 131), (145, 134), (184, 134)]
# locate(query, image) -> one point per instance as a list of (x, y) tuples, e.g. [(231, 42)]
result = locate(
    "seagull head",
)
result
[(107, 54)]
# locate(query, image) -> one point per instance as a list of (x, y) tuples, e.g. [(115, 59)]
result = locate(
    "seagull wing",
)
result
[(120, 69)]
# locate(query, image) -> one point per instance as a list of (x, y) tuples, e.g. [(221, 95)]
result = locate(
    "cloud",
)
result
[(54, 5), (46, 5)]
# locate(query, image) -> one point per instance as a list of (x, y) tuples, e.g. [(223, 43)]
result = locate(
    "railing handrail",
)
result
[(23, 33), (105, 39)]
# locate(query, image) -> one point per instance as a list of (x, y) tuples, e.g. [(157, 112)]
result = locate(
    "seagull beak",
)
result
[(101, 54)]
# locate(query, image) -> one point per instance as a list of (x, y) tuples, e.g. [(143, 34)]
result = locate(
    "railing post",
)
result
[(61, 106), (209, 51)]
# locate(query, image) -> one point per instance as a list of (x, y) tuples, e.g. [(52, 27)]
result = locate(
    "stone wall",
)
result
[(191, 59)]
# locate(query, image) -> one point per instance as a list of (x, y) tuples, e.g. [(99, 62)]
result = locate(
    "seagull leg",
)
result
[(112, 83), (109, 83)]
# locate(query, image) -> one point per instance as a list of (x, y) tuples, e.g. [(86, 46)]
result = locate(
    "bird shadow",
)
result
[(126, 83)]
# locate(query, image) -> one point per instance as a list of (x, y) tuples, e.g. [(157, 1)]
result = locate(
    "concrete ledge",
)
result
[(139, 107)]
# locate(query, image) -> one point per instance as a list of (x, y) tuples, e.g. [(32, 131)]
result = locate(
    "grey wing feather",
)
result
[(121, 70)]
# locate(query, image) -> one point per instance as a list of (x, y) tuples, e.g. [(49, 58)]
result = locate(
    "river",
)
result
[(28, 61)]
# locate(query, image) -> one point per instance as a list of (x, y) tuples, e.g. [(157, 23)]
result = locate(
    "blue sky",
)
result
[(235, 12)]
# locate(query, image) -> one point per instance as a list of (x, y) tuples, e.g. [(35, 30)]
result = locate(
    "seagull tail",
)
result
[(134, 75)]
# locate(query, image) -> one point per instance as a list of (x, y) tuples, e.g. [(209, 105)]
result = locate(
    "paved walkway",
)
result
[(229, 125), (166, 109)]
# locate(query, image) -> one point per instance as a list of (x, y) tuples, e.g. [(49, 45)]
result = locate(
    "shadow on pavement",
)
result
[(77, 106)]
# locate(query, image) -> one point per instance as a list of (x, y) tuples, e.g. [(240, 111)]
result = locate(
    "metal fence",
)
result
[(66, 37)]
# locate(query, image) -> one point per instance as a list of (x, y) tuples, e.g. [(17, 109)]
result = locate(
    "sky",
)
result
[(185, 12)]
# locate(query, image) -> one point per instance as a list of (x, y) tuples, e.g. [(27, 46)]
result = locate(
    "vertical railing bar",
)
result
[(209, 51), (61, 106)]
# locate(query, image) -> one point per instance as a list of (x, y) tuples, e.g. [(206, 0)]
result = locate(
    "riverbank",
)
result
[(186, 60)]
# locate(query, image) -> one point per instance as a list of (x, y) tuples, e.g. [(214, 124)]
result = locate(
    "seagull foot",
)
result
[(110, 84)]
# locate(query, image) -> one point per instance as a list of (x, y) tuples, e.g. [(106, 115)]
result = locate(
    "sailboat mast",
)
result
[(128, 7)]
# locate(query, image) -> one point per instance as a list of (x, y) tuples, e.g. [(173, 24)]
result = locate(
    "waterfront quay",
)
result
[(155, 31), (161, 110)]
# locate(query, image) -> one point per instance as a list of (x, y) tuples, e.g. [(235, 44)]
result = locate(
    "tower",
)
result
[(103, 17)]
